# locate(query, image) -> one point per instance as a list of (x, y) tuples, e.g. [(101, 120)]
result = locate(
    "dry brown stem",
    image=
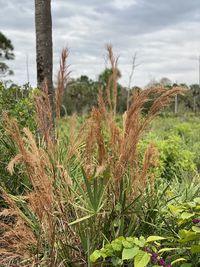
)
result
[(63, 75), (45, 120), (112, 83)]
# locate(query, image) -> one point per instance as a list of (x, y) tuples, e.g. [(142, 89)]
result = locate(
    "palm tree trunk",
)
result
[(44, 47)]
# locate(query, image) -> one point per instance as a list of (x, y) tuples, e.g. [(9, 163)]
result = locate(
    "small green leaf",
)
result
[(168, 249), (175, 210), (129, 253), (155, 238), (140, 242), (195, 249), (177, 260), (81, 219), (120, 238), (141, 259), (187, 236), (116, 246), (186, 215), (130, 239), (95, 256), (127, 244), (116, 261)]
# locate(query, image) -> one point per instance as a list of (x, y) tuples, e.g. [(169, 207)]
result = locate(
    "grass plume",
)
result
[(63, 75), (78, 192)]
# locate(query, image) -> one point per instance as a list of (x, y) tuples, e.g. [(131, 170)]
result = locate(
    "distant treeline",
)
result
[(81, 95)]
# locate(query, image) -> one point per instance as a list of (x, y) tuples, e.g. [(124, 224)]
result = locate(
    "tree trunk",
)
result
[(44, 47)]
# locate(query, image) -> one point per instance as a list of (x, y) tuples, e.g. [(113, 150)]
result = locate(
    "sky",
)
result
[(164, 34)]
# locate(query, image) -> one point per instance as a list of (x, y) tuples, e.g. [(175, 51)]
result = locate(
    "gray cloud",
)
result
[(165, 35)]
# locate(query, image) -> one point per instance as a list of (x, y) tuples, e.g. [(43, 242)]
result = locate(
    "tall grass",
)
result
[(85, 194)]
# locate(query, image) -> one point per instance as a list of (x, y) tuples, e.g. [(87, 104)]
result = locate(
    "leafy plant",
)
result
[(131, 251), (16, 102)]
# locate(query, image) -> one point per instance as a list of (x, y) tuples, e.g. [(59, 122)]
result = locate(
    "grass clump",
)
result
[(89, 191)]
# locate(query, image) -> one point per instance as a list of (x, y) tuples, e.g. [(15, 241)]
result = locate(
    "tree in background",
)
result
[(165, 82), (104, 77), (81, 94), (104, 80), (6, 53), (196, 96), (44, 47)]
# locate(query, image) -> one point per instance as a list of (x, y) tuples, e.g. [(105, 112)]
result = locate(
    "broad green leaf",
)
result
[(117, 246), (129, 253), (127, 244), (175, 210), (155, 238), (104, 254), (130, 239), (116, 261), (141, 259), (107, 252), (186, 265), (191, 204), (140, 242), (196, 229), (187, 236), (186, 215), (95, 256), (197, 200), (120, 238)]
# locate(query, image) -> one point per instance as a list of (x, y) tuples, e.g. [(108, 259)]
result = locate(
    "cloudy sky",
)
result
[(164, 33)]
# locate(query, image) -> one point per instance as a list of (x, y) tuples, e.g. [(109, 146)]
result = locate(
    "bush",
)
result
[(16, 102), (177, 145), (181, 249)]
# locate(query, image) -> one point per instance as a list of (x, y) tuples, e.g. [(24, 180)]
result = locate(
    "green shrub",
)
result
[(175, 158), (181, 249), (17, 102)]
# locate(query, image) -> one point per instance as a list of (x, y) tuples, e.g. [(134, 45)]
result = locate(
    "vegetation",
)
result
[(94, 173), (6, 53), (108, 190), (16, 102)]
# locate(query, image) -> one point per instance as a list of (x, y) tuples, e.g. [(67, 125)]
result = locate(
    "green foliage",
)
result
[(131, 251), (16, 102), (123, 249), (81, 94), (145, 214), (134, 225), (181, 248), (177, 141), (175, 159), (6, 53)]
